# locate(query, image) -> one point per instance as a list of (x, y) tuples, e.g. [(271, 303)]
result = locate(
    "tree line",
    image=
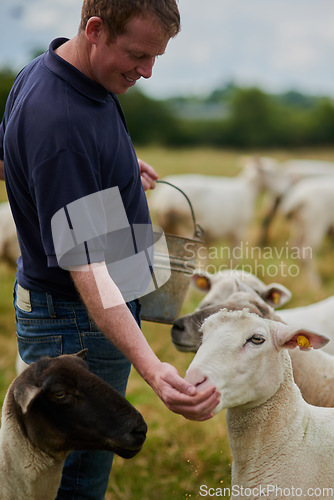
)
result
[(231, 116)]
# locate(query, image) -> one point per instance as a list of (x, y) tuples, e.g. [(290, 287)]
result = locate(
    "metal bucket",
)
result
[(164, 304)]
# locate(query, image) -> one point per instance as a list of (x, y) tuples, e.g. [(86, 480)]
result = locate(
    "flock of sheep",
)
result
[(277, 387), (302, 191), (275, 382)]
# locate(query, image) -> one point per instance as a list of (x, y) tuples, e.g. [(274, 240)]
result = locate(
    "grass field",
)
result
[(179, 456)]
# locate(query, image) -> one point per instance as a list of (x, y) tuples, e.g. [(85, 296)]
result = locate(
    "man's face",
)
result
[(119, 64)]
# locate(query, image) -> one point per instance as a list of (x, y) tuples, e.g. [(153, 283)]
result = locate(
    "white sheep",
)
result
[(318, 316), (278, 441), (309, 206), (301, 168), (48, 411), (313, 371), (220, 285), (223, 206), (9, 246), (278, 178)]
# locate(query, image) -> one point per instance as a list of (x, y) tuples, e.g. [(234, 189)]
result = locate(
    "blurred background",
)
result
[(240, 74), (242, 78)]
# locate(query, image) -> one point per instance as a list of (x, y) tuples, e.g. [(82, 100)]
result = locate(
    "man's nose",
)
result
[(145, 68)]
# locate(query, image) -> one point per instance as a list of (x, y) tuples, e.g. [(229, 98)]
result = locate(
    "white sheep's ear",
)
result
[(276, 295), (24, 395), (290, 337), (201, 281)]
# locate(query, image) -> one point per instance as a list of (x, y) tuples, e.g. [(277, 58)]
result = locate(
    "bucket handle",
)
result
[(198, 230)]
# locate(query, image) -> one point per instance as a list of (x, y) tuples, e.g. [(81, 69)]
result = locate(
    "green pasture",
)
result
[(179, 456)]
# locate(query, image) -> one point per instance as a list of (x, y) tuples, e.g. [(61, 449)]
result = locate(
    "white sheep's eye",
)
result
[(256, 339)]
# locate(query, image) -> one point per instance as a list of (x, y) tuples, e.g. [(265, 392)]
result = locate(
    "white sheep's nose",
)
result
[(195, 377)]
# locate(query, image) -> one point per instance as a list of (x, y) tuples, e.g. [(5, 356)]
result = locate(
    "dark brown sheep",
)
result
[(55, 406)]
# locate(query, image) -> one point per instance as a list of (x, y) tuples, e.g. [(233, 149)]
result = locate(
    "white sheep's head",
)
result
[(243, 355), (220, 285)]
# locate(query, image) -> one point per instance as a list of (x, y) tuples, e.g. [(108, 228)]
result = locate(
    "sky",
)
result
[(277, 45)]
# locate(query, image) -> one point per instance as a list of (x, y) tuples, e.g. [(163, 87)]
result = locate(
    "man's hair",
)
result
[(117, 13)]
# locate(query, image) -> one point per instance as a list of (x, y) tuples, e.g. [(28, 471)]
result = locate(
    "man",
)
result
[(63, 138)]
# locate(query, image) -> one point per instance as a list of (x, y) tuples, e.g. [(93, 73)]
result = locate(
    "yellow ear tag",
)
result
[(275, 297), (303, 341), (202, 283)]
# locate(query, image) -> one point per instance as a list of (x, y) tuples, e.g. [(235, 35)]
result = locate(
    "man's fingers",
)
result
[(198, 407), (183, 398), (180, 384)]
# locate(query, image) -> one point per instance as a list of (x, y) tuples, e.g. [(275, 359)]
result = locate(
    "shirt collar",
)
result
[(72, 75)]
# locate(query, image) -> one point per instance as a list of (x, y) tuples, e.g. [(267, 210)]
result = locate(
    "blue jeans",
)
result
[(47, 326)]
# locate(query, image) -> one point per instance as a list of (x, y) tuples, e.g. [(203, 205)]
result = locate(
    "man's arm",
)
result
[(98, 290), (2, 171)]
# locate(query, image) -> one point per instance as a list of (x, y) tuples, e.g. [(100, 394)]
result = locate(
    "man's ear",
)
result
[(290, 337), (94, 29)]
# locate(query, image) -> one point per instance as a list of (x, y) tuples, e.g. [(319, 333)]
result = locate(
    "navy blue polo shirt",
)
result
[(63, 137)]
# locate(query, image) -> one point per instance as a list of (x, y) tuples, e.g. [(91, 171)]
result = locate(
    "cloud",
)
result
[(49, 17), (270, 43), (275, 44), (30, 25)]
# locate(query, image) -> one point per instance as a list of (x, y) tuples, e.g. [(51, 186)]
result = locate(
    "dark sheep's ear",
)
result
[(81, 354), (24, 394)]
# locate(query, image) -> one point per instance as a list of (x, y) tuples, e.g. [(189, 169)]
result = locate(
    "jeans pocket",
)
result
[(33, 348)]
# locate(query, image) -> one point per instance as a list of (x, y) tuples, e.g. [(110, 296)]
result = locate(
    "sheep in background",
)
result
[(223, 206), (218, 287), (278, 178), (309, 206), (186, 330), (9, 246), (276, 438), (297, 169), (313, 371), (56, 405)]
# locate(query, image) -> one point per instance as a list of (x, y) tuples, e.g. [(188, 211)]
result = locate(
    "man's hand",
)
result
[(148, 175), (181, 397)]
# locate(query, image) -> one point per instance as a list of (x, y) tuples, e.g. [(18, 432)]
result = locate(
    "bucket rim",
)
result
[(178, 237)]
